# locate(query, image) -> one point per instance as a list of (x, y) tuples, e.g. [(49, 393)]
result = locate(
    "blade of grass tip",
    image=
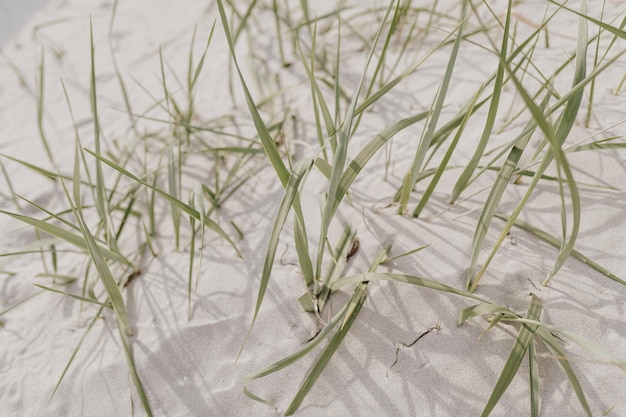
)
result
[(402, 255), (182, 206), (118, 73), (10, 185), (551, 343), (40, 110), (427, 134), (513, 362), (74, 353), (557, 243), (337, 79), (301, 169), (533, 371), (318, 100), (584, 343), (325, 357), (614, 30), (339, 158), (595, 63), (381, 59), (491, 113), (65, 235), (480, 310), (101, 200), (77, 137), (409, 279), (174, 192), (555, 138), (75, 296)]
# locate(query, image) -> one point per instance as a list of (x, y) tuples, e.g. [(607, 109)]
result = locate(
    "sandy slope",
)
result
[(188, 366)]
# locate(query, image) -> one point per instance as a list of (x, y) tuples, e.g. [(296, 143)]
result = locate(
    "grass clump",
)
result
[(117, 190)]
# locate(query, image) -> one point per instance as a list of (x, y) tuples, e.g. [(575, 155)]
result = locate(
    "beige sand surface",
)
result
[(188, 366)]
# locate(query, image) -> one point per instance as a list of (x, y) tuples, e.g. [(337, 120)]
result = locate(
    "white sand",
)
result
[(188, 366)]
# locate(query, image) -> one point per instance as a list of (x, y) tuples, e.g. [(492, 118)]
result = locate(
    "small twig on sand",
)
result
[(435, 328)]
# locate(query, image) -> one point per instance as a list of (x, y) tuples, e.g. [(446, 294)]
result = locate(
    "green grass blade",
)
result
[(446, 158), (514, 360), (490, 206), (101, 199), (291, 192), (557, 243), (614, 30), (109, 282), (319, 102), (533, 371), (427, 136), (551, 343), (584, 343), (65, 235), (75, 296), (480, 310), (266, 139), (302, 248), (336, 266), (491, 114), (40, 109), (409, 279), (368, 151), (359, 298), (293, 358), (174, 192)]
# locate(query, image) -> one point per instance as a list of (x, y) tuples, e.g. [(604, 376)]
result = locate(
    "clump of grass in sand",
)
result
[(124, 203), (514, 64)]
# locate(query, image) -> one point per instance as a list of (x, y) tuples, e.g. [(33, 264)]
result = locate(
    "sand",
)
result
[(187, 365)]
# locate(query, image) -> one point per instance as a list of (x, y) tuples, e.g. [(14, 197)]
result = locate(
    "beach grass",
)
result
[(114, 193)]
